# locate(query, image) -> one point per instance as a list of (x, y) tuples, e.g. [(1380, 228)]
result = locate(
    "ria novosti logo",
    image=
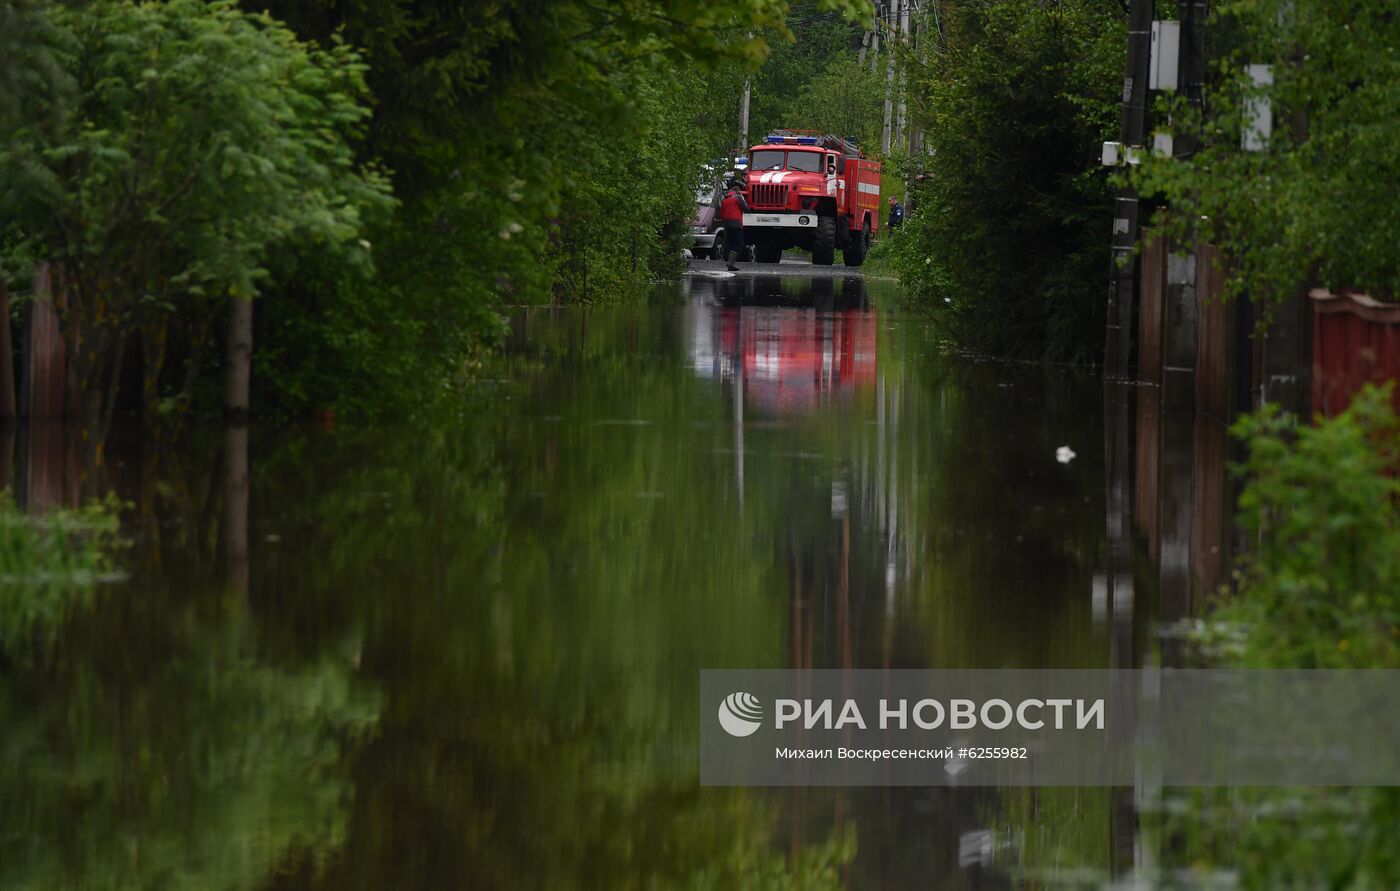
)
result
[(740, 714)]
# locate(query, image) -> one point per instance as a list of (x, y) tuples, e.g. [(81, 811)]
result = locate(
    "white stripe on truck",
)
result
[(870, 188)]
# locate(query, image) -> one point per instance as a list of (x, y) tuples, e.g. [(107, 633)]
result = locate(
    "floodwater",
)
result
[(466, 652)]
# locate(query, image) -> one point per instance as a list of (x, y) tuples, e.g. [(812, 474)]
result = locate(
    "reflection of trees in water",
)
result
[(153, 746), (537, 587), (537, 604), (964, 542), (930, 525), (151, 741)]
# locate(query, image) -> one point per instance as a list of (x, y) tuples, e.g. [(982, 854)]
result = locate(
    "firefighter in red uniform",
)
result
[(731, 214)]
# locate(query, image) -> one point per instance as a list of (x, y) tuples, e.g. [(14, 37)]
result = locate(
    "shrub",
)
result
[(1322, 586), (49, 562)]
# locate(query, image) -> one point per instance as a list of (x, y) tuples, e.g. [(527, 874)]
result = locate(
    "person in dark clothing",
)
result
[(896, 213), (731, 214)]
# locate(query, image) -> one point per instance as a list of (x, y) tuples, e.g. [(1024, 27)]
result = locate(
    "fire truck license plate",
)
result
[(803, 220)]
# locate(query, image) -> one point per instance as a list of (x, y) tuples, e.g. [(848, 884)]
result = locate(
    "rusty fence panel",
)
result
[(1356, 340)]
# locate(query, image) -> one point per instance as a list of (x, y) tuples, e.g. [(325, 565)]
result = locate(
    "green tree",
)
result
[(202, 145), (819, 42), (544, 151), (1006, 244), (30, 72), (845, 98), (1306, 207)]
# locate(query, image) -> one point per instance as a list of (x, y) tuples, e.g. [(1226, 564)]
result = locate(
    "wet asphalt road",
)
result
[(792, 264)]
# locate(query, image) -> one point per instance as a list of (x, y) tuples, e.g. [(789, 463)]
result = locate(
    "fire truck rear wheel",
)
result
[(768, 253), (856, 249), (824, 246)]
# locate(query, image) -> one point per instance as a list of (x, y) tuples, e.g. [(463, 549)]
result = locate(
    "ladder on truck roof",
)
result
[(847, 147)]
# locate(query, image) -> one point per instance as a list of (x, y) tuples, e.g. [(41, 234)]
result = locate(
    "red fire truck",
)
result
[(811, 191)]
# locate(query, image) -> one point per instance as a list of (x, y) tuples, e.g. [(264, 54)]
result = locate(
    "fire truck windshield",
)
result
[(766, 160), (773, 159)]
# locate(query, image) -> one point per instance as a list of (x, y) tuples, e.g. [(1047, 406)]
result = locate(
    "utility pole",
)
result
[(903, 77), (1285, 369), (1192, 73), (1119, 591), (916, 139), (1122, 292), (7, 369), (1177, 443), (744, 116), (892, 23), (917, 31), (875, 41), (1179, 304)]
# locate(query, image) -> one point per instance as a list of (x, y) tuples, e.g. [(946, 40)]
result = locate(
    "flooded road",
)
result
[(466, 652)]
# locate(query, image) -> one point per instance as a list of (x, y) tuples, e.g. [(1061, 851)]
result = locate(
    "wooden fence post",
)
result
[(239, 374), (44, 390), (7, 358), (237, 484)]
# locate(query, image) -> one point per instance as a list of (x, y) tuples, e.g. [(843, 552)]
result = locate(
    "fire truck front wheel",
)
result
[(717, 252), (824, 245)]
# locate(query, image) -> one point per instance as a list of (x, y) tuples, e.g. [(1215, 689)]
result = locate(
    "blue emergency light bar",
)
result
[(792, 140)]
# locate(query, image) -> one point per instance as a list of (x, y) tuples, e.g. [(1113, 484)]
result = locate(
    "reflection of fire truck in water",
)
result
[(788, 360), (814, 192), (796, 361)]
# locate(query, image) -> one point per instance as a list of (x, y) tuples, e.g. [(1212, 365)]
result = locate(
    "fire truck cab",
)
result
[(811, 191)]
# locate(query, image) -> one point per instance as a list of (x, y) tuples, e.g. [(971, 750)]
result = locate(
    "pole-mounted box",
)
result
[(1166, 50), (1258, 110)]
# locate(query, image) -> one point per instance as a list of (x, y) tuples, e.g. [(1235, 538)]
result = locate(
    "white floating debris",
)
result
[(1064, 454), (709, 273)]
